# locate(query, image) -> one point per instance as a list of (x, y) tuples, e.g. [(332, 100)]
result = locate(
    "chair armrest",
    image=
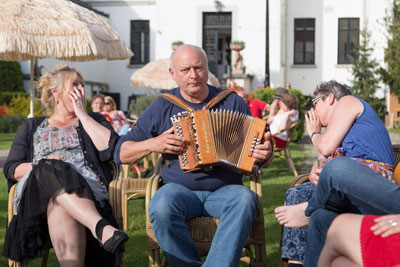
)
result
[(256, 188), (11, 196), (152, 186), (300, 179)]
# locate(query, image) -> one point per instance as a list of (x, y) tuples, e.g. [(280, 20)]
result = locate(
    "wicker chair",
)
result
[(48, 246), (202, 229), (303, 178), (125, 188), (284, 152)]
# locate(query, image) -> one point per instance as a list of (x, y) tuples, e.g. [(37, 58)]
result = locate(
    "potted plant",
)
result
[(237, 45), (175, 44)]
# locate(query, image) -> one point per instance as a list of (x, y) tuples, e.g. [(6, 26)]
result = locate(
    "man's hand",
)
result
[(264, 152), (168, 142)]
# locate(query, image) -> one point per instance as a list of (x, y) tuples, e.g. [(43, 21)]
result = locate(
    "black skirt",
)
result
[(28, 231)]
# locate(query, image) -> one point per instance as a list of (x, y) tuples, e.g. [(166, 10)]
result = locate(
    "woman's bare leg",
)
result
[(342, 246), (84, 211), (67, 236)]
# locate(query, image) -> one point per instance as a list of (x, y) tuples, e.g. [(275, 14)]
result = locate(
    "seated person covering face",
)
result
[(217, 193), (59, 163), (97, 104), (357, 240), (275, 107), (354, 134), (283, 120)]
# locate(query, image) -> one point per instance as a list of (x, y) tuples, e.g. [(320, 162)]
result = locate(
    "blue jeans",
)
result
[(173, 205), (346, 186)]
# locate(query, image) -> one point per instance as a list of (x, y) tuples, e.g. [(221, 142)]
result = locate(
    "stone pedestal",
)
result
[(243, 80)]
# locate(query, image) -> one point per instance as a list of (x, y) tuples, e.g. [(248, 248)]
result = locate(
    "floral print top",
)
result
[(64, 143)]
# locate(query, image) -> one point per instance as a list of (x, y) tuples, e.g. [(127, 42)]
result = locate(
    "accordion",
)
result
[(221, 137)]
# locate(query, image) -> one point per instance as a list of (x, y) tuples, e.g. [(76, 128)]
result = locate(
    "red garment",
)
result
[(279, 143), (108, 118), (375, 250), (256, 107)]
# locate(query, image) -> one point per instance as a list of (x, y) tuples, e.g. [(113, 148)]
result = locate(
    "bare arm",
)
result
[(273, 110), (167, 142), (342, 118), (99, 134)]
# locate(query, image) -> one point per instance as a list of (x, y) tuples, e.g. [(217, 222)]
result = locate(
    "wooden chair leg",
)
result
[(45, 257), (291, 163), (124, 212)]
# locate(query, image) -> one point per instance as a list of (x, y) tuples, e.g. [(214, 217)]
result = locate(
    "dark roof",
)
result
[(86, 5)]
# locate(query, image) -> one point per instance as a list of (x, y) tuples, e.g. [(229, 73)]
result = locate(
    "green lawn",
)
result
[(274, 186), (6, 140)]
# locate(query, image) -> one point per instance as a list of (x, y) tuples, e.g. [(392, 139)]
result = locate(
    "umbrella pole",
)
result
[(31, 89)]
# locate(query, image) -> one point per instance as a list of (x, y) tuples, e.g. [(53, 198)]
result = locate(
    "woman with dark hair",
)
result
[(60, 164)]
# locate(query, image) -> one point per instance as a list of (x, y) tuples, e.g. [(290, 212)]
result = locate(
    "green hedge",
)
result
[(266, 95), (10, 124), (6, 97), (137, 106), (11, 79)]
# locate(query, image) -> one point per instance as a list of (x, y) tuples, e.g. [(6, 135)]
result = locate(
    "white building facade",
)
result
[(309, 40)]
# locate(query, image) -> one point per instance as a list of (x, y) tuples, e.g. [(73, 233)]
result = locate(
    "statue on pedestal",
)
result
[(238, 67)]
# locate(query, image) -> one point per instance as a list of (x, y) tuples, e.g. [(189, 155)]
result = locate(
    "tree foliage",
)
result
[(11, 79), (365, 72), (392, 51)]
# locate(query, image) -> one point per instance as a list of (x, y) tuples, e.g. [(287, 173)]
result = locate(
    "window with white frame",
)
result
[(304, 41), (348, 39), (140, 42)]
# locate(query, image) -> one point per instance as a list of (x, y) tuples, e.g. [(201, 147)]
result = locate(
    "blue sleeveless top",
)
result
[(368, 138)]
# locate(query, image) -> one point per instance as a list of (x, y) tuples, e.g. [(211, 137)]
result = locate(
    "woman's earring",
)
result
[(57, 101)]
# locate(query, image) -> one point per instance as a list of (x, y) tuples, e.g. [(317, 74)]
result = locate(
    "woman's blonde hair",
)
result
[(56, 79), (110, 99)]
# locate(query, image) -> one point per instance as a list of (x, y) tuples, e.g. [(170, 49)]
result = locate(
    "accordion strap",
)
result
[(176, 101), (221, 95), (218, 98)]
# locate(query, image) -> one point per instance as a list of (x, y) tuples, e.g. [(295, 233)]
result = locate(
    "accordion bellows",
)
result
[(219, 137)]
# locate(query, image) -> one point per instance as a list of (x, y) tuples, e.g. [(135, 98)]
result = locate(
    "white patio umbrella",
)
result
[(155, 74), (31, 29)]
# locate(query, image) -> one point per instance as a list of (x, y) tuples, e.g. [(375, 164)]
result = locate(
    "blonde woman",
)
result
[(121, 125), (59, 162)]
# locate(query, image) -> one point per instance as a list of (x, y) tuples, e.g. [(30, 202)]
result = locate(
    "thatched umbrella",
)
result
[(59, 29), (155, 74)]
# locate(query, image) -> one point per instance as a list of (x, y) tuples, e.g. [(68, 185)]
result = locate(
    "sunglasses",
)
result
[(315, 100)]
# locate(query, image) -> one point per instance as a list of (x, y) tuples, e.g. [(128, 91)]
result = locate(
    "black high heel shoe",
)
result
[(115, 242)]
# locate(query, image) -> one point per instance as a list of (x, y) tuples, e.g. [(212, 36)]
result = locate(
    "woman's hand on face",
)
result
[(77, 96), (387, 225), (312, 121)]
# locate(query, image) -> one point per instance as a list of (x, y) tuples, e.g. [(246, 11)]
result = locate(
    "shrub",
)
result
[(266, 95), (11, 123), (20, 105), (138, 105), (11, 79), (5, 97)]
